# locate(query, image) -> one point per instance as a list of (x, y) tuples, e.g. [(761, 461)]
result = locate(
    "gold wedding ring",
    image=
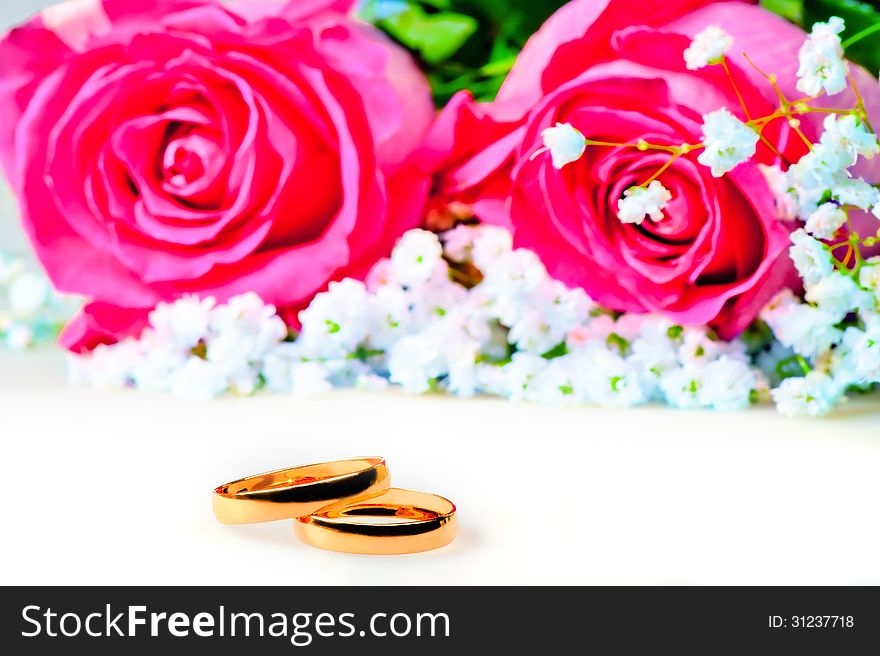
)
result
[(393, 522), (299, 491)]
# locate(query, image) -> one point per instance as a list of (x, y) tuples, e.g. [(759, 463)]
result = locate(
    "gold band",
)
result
[(298, 491), (393, 522)]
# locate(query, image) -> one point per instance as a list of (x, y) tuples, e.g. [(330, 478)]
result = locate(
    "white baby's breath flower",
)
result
[(432, 333), (234, 354), (533, 334), (639, 202), (276, 370), (708, 47), (461, 356), (822, 66), (490, 245), (509, 280), (849, 137), (810, 257), (336, 321), (381, 275), (611, 380), (242, 333), (435, 300), (826, 221), (728, 142), (565, 143), (110, 367), (459, 242), (813, 176), (564, 308), (157, 359), (391, 317), (698, 347), (415, 362), (556, 384), (247, 314), (654, 352), (520, 375), (630, 325), (855, 193), (184, 323), (838, 295), (869, 276), (416, 257), (809, 330), (815, 394), (681, 386), (864, 359)]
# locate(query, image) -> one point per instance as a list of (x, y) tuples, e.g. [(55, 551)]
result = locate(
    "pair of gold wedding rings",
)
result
[(345, 505)]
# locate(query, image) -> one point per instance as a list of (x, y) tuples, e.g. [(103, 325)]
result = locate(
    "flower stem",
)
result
[(639, 145), (809, 109), (858, 36), (860, 102), (661, 170), (736, 90)]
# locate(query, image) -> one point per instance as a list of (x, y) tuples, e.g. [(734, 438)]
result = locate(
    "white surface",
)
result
[(114, 488)]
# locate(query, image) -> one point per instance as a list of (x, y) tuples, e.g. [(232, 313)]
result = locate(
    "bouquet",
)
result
[(665, 201)]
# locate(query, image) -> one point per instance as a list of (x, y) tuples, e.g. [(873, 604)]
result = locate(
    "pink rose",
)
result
[(166, 147), (721, 251)]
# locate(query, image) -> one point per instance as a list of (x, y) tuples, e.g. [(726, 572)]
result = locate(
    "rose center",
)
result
[(187, 159)]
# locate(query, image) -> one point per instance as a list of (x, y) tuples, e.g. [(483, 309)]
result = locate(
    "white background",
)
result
[(114, 488)]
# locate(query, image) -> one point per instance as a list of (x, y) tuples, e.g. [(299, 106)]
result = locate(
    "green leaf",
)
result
[(446, 33), (461, 44), (556, 352), (436, 37), (793, 10)]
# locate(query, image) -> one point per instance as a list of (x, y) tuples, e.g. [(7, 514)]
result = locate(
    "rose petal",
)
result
[(102, 323)]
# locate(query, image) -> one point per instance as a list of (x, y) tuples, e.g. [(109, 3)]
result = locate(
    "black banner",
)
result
[(403, 620)]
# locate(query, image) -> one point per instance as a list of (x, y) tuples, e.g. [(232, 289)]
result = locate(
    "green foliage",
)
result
[(472, 44), (436, 37), (461, 44), (793, 10)]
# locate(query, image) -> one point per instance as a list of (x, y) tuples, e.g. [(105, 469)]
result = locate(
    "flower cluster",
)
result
[(821, 182), (464, 313), (832, 335), (728, 142), (193, 348), (30, 312), (468, 314), (708, 47), (822, 67)]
